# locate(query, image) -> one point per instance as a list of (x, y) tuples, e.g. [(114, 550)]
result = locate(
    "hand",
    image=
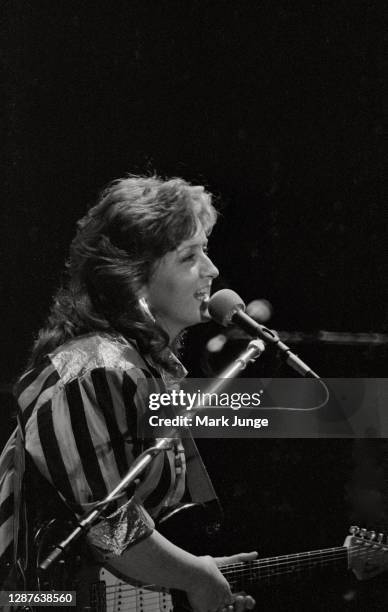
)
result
[(238, 558), (241, 601), (211, 591)]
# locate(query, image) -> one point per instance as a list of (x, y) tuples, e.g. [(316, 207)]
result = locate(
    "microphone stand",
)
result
[(271, 337), (251, 353)]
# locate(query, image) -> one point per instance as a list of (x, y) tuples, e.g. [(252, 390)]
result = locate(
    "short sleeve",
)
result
[(84, 439), (128, 525)]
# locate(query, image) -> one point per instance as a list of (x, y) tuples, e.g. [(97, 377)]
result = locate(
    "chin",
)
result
[(194, 321), (196, 316)]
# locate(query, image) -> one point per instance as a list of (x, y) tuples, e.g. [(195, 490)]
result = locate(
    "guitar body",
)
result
[(75, 571), (98, 590), (122, 597)]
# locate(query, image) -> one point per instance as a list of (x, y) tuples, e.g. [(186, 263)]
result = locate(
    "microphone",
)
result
[(226, 307)]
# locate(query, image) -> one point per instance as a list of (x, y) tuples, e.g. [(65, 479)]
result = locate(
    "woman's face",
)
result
[(180, 285)]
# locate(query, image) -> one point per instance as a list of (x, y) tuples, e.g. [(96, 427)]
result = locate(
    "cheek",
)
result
[(178, 283), (173, 289), (166, 294)]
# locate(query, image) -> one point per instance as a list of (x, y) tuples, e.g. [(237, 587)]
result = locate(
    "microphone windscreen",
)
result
[(223, 304)]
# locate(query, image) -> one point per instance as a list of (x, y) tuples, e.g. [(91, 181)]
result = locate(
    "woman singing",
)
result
[(138, 274)]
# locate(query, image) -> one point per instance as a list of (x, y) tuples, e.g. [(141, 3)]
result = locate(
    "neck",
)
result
[(272, 568)]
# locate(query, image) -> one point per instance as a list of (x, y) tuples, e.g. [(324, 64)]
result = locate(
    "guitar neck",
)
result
[(112, 595), (366, 553), (365, 556), (272, 569)]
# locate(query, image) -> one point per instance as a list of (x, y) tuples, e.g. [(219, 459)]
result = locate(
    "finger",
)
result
[(227, 604), (239, 603), (242, 557), (249, 603), (243, 602), (221, 561), (227, 608)]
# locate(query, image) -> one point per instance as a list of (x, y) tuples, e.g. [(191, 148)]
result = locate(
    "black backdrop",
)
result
[(276, 107)]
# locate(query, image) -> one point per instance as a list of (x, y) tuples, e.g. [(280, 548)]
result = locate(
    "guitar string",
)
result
[(305, 556), (125, 591), (298, 558), (124, 597), (128, 591), (295, 558), (301, 559), (148, 599)]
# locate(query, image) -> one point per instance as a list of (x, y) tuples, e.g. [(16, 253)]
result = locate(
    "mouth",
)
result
[(202, 295)]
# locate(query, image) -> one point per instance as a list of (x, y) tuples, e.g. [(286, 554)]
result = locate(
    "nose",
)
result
[(208, 268)]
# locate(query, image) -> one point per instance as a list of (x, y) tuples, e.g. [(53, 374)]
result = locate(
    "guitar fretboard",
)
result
[(267, 570), (122, 597)]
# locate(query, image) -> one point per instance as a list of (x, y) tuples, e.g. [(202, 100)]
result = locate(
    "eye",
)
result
[(189, 257)]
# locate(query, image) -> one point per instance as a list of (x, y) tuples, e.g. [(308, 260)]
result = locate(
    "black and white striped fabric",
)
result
[(80, 411)]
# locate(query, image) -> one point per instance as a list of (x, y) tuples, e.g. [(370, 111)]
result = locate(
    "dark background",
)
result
[(277, 108)]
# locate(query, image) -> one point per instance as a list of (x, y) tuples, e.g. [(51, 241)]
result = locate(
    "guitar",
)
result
[(99, 591)]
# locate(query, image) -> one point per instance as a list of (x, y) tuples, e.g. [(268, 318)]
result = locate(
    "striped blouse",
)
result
[(80, 412)]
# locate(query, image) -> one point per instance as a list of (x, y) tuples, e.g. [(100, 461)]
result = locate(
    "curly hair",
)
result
[(135, 222)]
